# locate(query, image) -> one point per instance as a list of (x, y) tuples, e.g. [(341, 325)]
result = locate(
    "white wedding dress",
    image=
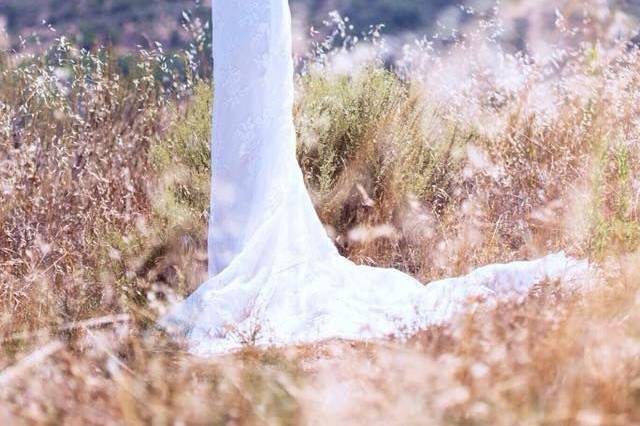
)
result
[(276, 277)]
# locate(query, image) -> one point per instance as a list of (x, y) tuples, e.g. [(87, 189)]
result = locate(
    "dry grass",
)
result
[(104, 183)]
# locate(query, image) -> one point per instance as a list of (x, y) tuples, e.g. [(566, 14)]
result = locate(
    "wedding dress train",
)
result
[(276, 277)]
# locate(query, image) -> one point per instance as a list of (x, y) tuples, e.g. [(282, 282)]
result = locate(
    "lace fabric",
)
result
[(276, 277)]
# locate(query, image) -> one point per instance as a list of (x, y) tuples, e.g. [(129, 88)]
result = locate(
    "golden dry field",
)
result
[(441, 164)]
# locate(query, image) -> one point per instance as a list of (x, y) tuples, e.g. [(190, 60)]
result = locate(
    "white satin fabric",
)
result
[(276, 277)]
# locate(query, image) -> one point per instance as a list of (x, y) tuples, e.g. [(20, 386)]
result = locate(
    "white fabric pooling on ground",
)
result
[(276, 277)]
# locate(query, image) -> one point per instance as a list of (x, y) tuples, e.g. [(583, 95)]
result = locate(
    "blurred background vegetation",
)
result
[(128, 23)]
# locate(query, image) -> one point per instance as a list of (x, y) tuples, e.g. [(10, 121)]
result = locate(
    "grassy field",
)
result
[(104, 184)]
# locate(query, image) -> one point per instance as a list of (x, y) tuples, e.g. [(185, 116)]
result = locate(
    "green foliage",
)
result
[(182, 158), (615, 221), (338, 115), (371, 130)]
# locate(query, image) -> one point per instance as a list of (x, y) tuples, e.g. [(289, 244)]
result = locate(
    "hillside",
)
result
[(128, 23), (124, 23)]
